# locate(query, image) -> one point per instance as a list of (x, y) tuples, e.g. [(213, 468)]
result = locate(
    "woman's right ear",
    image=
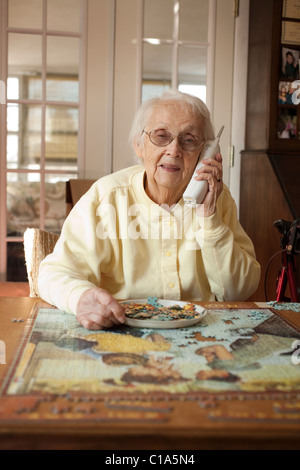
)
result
[(138, 148)]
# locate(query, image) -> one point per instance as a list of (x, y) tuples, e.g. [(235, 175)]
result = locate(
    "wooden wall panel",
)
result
[(262, 202), (270, 167), (287, 169)]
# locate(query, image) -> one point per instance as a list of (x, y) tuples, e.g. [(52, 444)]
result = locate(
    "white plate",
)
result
[(200, 312)]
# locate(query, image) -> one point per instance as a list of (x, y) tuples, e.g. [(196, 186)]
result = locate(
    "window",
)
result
[(175, 46), (43, 66)]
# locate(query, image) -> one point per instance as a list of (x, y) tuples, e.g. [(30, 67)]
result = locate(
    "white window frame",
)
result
[(43, 172), (209, 46), (128, 75)]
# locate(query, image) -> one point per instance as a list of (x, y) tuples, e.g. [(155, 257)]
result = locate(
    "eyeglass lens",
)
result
[(163, 138)]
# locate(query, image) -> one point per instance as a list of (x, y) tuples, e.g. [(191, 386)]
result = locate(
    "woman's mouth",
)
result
[(170, 168)]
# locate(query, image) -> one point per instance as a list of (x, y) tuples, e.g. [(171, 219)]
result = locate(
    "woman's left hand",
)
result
[(212, 172)]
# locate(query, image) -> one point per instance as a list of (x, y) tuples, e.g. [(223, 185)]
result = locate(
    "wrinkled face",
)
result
[(170, 168)]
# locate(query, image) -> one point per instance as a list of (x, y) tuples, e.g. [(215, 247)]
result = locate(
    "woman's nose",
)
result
[(173, 148)]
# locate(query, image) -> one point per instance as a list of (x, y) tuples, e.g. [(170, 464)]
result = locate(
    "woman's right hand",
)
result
[(97, 309), (212, 172)]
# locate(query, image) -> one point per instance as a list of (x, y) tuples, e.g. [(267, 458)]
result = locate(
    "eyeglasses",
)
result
[(162, 138)]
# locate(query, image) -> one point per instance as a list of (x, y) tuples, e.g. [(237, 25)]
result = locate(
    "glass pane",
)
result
[(158, 19), (24, 136), (25, 14), (16, 268), (192, 69), (157, 66), (193, 20), (63, 89), (55, 201), (25, 61), (61, 137), (23, 202), (34, 88), (12, 152), (196, 90), (13, 88), (13, 118), (63, 15), (153, 88), (62, 69)]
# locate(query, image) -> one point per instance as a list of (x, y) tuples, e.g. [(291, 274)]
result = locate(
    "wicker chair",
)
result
[(37, 245)]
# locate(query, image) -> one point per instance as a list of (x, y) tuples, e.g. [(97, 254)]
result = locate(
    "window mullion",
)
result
[(210, 74), (175, 44), (43, 123), (82, 89), (3, 113), (39, 32)]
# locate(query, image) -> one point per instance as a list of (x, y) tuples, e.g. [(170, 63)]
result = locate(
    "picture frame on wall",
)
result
[(284, 123), (285, 93), (287, 123), (290, 32), (289, 92), (291, 9), (290, 63)]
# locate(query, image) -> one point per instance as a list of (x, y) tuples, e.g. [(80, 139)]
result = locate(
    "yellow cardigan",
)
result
[(117, 238)]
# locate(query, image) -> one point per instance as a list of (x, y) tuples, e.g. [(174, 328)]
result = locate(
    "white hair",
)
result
[(144, 112)]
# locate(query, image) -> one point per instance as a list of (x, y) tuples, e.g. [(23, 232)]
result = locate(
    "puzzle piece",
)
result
[(153, 301), (295, 307)]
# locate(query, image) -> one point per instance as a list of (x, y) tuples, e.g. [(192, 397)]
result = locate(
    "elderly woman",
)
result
[(131, 235)]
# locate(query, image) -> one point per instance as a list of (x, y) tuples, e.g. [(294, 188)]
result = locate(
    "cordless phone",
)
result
[(196, 190)]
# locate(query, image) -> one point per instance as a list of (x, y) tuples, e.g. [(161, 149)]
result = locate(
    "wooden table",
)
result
[(187, 424), (14, 289)]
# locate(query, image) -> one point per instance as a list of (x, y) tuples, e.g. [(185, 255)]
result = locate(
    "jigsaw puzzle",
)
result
[(230, 351)]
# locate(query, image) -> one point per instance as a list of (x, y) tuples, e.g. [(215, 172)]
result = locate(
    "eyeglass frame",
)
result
[(173, 137)]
